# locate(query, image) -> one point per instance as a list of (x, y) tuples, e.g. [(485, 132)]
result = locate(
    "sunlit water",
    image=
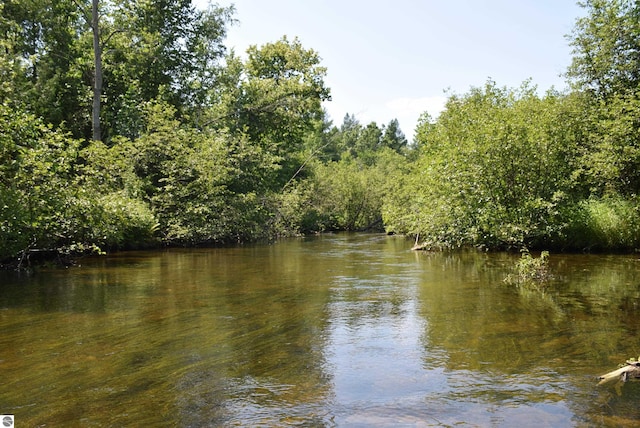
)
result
[(337, 330)]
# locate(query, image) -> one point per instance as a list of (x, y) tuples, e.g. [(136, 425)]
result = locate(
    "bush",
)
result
[(529, 270), (126, 222), (296, 210), (494, 171), (37, 169), (611, 223), (350, 195)]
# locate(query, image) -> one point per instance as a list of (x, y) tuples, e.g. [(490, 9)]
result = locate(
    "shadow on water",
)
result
[(335, 330)]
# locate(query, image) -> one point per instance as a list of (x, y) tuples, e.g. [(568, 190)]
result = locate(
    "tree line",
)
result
[(506, 168), (188, 143)]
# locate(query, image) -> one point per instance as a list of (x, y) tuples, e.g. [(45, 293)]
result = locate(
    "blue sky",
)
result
[(397, 59)]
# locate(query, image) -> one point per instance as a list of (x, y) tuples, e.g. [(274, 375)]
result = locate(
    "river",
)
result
[(351, 330)]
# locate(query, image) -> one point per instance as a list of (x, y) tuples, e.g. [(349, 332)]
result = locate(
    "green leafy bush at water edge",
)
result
[(530, 270), (605, 224)]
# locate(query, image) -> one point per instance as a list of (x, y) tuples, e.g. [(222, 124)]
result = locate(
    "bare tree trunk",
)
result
[(97, 85)]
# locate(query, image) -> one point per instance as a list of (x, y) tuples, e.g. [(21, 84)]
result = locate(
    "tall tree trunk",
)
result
[(97, 84)]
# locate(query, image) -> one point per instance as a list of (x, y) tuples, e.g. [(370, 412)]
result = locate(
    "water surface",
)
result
[(336, 330)]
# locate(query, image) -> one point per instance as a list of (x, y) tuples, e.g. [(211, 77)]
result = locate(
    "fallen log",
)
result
[(420, 247), (631, 370)]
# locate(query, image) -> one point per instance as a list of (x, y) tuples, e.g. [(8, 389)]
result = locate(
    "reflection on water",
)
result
[(336, 330)]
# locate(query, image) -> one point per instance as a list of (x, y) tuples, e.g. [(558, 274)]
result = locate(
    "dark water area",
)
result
[(337, 330)]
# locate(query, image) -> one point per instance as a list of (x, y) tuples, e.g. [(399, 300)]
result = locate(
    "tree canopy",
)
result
[(606, 48), (199, 146)]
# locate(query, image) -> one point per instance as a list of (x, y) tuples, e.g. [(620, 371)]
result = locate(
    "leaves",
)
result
[(203, 148), (606, 44), (489, 170), (530, 271)]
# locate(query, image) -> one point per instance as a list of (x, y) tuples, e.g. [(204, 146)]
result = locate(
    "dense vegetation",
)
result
[(127, 123)]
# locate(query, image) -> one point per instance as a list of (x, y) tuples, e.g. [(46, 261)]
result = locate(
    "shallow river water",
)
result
[(350, 330)]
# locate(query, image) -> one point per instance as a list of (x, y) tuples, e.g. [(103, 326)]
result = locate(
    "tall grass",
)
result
[(611, 223)]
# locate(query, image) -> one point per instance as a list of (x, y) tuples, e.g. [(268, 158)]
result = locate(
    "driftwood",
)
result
[(629, 371), (419, 247)]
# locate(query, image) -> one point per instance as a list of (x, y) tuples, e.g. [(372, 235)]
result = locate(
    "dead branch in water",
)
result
[(630, 371)]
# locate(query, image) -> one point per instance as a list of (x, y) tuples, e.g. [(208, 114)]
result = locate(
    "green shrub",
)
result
[(351, 195), (494, 171), (530, 270), (127, 222), (13, 234), (296, 210), (611, 223)]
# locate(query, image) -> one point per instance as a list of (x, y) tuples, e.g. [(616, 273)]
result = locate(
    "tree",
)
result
[(11, 71), (393, 137), (606, 48), (275, 98), (355, 141), (46, 52), (55, 52), (349, 133), (606, 70), (97, 77), (369, 142), (494, 170), (167, 51)]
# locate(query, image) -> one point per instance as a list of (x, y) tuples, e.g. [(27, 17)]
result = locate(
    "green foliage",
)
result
[(611, 223), (123, 222), (203, 187), (168, 51), (606, 43), (605, 68), (530, 271), (503, 168), (38, 165), (14, 236), (47, 75), (492, 171), (342, 195), (110, 168), (350, 195), (611, 161), (393, 137), (51, 197), (274, 98), (200, 148), (12, 77), (299, 208), (353, 140), (109, 221)]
